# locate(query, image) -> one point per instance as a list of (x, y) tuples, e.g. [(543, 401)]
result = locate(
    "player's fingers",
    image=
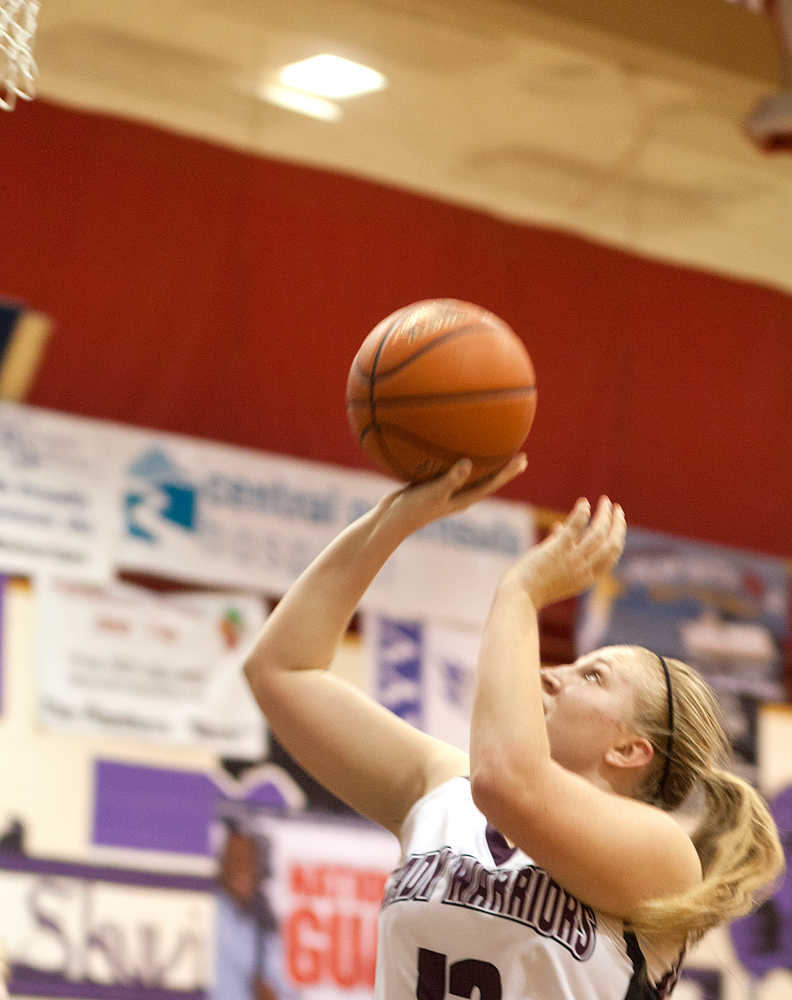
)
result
[(513, 468), (576, 521), (458, 473), (435, 494), (618, 533), (610, 552), (598, 532), (444, 486)]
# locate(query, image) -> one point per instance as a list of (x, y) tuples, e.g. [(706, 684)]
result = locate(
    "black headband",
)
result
[(670, 744)]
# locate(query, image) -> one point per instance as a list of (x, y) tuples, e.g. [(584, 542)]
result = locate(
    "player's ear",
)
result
[(634, 752)]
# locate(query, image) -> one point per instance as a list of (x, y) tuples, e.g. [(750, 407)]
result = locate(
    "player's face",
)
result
[(588, 705)]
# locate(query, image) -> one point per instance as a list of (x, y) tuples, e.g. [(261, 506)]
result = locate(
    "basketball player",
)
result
[(548, 865)]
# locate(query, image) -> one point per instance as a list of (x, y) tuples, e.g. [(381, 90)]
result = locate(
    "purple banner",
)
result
[(154, 809), (763, 939), (27, 981), (703, 984), (14, 862)]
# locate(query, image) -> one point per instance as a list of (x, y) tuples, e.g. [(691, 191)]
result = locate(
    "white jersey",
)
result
[(464, 910)]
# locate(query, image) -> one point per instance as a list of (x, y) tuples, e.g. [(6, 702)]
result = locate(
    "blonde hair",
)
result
[(736, 838)]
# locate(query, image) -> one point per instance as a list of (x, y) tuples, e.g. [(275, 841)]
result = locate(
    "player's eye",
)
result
[(592, 672)]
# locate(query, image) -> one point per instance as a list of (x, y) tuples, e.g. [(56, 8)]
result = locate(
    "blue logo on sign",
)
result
[(166, 487), (399, 662), (456, 683)]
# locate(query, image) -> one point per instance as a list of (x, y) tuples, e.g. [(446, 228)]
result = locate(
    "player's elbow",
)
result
[(260, 673), (507, 788), (250, 670), (482, 787), (496, 787)]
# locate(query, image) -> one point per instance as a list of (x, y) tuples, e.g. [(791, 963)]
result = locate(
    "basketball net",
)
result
[(18, 70)]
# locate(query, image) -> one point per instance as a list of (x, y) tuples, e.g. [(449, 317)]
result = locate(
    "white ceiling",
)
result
[(619, 119)]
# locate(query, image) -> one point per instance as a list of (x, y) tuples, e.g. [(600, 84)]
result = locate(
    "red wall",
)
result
[(214, 293)]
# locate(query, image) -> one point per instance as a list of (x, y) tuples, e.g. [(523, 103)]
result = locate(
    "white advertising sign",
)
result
[(80, 498), (56, 487), (125, 661), (212, 513), (83, 931), (217, 514)]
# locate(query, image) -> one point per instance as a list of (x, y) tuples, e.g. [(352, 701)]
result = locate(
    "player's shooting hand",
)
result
[(577, 551), (421, 503)]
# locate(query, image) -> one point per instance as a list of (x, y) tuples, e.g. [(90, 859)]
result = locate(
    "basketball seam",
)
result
[(439, 449), (390, 457), (396, 466), (473, 395), (461, 331)]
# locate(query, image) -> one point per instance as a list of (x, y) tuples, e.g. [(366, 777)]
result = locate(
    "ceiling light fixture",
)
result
[(304, 104), (327, 75)]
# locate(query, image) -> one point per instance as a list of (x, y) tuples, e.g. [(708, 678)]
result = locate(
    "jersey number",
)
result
[(463, 977)]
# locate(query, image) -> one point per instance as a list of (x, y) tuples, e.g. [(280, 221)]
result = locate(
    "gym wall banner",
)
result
[(56, 512), (424, 672), (83, 931), (144, 808), (83, 499), (167, 668), (229, 516)]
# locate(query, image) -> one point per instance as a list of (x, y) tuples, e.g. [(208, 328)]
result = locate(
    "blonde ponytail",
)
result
[(736, 838), (737, 843)]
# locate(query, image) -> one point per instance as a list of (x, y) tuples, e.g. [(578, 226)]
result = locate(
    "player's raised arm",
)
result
[(551, 747), (582, 764), (374, 761)]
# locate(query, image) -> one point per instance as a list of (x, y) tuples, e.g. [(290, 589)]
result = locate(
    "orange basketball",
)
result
[(436, 381)]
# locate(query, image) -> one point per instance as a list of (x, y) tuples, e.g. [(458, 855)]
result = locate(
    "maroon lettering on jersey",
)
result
[(527, 895)]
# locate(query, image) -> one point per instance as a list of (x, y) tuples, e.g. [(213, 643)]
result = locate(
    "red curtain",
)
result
[(210, 292)]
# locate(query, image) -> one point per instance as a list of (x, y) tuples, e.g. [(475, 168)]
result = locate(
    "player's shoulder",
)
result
[(447, 794), (444, 765)]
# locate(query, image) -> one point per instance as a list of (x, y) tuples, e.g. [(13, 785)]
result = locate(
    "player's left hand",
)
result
[(577, 551)]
